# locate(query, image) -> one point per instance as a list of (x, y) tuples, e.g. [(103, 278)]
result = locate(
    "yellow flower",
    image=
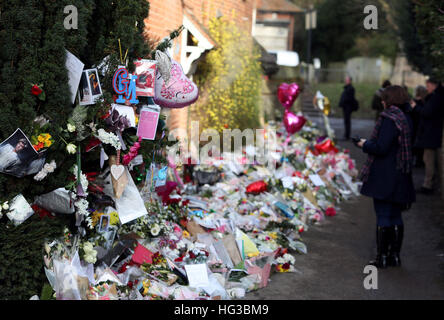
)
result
[(273, 235), (185, 234), (114, 218), (96, 217)]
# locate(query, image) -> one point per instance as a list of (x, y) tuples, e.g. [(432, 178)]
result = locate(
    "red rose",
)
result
[(192, 255), (286, 266), (330, 212), (35, 90)]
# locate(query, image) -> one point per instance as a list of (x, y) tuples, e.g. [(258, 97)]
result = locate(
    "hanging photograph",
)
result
[(89, 89), (18, 157), (146, 72)]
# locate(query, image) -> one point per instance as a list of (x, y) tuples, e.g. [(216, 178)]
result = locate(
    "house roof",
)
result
[(200, 27), (278, 6)]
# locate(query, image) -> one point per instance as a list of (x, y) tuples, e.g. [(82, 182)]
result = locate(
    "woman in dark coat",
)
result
[(387, 174)]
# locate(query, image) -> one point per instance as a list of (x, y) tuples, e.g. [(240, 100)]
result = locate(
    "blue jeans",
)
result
[(387, 213)]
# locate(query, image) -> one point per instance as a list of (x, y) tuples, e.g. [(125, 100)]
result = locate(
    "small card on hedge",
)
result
[(148, 120), (19, 210)]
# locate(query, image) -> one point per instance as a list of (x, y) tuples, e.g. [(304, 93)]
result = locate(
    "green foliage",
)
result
[(429, 21), (405, 19), (229, 79), (420, 26), (32, 45), (21, 254), (340, 32)]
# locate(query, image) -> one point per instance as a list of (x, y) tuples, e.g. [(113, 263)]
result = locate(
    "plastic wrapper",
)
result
[(57, 201), (130, 205), (19, 210)]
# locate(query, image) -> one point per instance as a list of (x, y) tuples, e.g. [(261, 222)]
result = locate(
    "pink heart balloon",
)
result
[(292, 122), (178, 93), (288, 93)]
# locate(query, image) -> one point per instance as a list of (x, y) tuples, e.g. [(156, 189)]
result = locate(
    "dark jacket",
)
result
[(385, 182), (348, 100), (416, 117), (429, 135)]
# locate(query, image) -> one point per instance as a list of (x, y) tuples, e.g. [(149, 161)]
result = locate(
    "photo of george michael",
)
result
[(16, 155)]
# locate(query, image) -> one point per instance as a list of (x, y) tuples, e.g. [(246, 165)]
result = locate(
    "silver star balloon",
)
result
[(163, 65)]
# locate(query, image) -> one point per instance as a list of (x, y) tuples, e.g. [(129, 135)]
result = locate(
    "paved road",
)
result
[(339, 248)]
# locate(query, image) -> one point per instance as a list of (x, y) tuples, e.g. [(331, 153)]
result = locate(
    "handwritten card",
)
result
[(197, 275), (75, 69), (317, 181), (148, 120)]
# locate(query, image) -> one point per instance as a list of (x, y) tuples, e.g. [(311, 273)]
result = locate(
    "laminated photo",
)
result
[(18, 157), (104, 223), (90, 89), (146, 76)]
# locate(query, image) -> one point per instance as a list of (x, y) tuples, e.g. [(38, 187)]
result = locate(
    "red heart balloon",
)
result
[(292, 122), (288, 93), (257, 187), (326, 147)]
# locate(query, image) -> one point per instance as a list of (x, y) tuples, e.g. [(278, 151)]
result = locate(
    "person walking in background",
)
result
[(387, 174), (429, 135), (377, 101), (348, 103), (419, 100)]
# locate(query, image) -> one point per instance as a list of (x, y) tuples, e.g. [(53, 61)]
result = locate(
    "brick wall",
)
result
[(167, 15)]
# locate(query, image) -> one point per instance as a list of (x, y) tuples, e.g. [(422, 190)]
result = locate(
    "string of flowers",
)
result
[(109, 138)]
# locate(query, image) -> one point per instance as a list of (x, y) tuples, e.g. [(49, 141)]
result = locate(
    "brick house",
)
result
[(274, 26), (167, 15)]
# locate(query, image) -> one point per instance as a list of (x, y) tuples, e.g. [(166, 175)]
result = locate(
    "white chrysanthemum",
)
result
[(109, 138), (82, 207), (5, 206), (47, 168)]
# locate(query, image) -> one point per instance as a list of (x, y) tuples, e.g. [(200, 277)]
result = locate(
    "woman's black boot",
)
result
[(394, 259), (382, 243)]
